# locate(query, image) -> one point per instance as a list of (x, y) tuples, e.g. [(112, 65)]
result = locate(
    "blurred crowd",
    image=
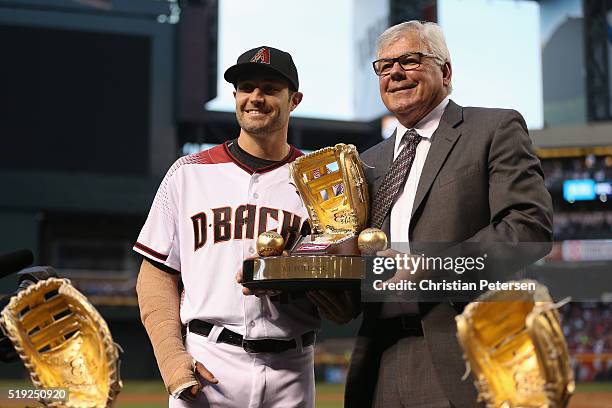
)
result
[(593, 221), (588, 330), (598, 168), (582, 225)]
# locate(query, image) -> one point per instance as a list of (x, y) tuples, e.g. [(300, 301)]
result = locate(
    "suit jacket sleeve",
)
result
[(520, 206), (520, 227)]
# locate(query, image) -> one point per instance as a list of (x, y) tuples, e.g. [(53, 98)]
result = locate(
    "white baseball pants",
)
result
[(265, 380)]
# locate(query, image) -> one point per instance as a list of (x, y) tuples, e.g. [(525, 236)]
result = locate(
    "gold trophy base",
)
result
[(303, 272)]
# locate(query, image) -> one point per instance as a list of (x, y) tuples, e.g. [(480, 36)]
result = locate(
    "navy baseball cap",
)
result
[(264, 59)]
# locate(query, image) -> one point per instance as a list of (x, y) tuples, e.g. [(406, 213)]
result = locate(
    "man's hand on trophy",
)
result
[(337, 306)]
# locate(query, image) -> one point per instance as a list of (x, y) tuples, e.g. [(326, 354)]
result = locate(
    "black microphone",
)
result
[(15, 261), (30, 276)]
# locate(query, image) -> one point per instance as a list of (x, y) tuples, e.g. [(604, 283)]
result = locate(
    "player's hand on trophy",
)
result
[(269, 243), (255, 292), (337, 306), (204, 378)]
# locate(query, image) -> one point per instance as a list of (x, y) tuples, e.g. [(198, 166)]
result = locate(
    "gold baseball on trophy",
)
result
[(270, 243), (371, 240)]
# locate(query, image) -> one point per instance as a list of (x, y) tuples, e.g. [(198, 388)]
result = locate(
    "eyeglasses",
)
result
[(408, 62)]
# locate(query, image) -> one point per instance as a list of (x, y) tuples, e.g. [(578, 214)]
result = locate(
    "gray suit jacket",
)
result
[(481, 182)]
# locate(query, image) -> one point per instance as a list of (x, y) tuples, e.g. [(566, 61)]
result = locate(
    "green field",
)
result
[(151, 394), (328, 396)]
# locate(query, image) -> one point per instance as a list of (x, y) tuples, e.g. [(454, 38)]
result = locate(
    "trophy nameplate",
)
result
[(332, 185), (303, 272)]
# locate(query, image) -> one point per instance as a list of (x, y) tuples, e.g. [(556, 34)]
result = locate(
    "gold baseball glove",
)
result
[(515, 347), (332, 186), (64, 342)]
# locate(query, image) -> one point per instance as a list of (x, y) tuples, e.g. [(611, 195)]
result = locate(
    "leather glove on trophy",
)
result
[(332, 185)]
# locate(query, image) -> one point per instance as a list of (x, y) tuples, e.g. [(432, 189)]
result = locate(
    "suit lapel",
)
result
[(443, 140), (383, 164)]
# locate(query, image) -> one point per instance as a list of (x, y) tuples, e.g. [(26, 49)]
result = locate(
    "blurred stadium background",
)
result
[(99, 97)]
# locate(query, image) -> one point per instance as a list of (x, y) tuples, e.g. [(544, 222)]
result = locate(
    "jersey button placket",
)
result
[(252, 191), (252, 195)]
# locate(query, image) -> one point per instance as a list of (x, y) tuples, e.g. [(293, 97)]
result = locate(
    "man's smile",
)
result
[(404, 88)]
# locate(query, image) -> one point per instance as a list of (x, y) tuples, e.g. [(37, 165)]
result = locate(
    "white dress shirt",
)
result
[(401, 211)]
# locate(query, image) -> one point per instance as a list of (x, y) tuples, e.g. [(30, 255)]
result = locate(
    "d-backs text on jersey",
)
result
[(227, 224)]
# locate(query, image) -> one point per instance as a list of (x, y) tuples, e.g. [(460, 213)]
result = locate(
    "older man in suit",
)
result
[(448, 174)]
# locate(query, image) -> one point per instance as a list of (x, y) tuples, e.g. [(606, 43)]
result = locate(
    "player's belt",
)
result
[(251, 346)]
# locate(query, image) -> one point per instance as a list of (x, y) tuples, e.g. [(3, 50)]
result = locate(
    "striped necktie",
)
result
[(395, 178)]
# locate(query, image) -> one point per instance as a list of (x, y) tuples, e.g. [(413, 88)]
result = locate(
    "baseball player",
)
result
[(239, 351)]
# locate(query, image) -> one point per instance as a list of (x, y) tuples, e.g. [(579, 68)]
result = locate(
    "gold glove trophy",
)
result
[(65, 344), (513, 342), (332, 185)]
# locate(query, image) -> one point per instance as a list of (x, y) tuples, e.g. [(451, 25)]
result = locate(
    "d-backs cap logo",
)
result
[(262, 56)]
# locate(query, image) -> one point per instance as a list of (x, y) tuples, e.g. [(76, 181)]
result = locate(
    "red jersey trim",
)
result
[(291, 156), (151, 252), (217, 154)]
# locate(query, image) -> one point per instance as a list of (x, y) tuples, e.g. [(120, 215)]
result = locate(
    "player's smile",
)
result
[(256, 112)]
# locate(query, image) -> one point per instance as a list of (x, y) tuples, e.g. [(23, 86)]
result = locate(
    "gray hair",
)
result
[(430, 34)]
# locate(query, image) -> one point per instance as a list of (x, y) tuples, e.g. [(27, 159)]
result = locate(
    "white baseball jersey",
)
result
[(204, 222)]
